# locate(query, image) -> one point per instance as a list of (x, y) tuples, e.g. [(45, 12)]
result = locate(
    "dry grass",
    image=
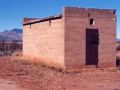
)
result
[(17, 53), (25, 61)]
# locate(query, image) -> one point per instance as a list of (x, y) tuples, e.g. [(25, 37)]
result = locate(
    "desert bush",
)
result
[(7, 48), (118, 47)]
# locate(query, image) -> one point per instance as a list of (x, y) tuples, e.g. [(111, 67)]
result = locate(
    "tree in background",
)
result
[(8, 47), (2, 44), (118, 48)]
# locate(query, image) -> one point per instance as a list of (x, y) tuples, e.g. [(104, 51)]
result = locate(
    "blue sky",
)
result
[(12, 11)]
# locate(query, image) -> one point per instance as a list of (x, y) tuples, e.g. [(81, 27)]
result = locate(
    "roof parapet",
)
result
[(35, 20)]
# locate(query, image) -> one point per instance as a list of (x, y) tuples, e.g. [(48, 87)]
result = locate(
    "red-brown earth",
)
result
[(23, 75)]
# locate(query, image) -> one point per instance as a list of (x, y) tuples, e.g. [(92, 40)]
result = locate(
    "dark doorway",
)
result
[(118, 61), (92, 42)]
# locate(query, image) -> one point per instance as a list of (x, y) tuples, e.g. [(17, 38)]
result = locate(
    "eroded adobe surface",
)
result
[(62, 40)]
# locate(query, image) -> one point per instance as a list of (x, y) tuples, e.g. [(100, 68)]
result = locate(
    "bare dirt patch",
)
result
[(34, 76), (9, 85)]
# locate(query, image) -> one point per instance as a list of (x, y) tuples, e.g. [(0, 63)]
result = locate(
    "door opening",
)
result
[(92, 42)]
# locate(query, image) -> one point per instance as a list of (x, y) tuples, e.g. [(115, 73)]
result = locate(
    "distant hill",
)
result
[(14, 34)]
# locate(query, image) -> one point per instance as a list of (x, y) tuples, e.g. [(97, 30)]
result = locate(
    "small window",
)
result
[(114, 12), (88, 14), (30, 26), (92, 22), (49, 23)]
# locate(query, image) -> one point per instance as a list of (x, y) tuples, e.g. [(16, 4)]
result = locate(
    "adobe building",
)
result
[(78, 38)]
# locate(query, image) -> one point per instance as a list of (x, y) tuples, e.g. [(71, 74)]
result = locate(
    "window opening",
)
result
[(114, 12), (92, 22), (88, 14), (49, 23), (30, 26)]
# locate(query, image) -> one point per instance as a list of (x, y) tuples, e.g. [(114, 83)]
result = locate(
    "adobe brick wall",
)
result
[(76, 21), (61, 42), (44, 41)]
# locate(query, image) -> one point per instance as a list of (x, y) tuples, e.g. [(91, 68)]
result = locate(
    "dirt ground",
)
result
[(21, 75), (9, 85)]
